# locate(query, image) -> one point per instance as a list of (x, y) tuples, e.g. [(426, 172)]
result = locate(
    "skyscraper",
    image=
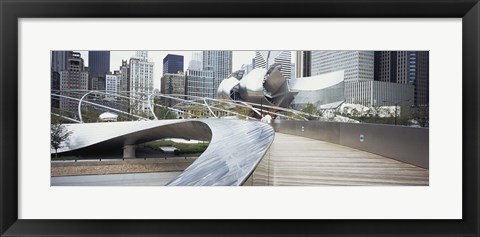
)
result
[(75, 77), (98, 67), (112, 83), (125, 76), (358, 65), (141, 81), (405, 67), (142, 55), (200, 83), (265, 59), (205, 72), (197, 61), (360, 69), (54, 89), (303, 64), (220, 62), (172, 84), (172, 64), (385, 66), (60, 60), (98, 62)]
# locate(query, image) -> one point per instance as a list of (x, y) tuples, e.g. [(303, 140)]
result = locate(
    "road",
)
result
[(135, 179)]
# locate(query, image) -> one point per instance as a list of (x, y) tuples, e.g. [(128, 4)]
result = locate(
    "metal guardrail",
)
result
[(406, 144)]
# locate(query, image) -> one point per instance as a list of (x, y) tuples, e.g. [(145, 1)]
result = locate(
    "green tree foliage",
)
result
[(421, 115), (197, 111), (58, 135), (90, 114), (312, 110), (161, 110), (243, 112)]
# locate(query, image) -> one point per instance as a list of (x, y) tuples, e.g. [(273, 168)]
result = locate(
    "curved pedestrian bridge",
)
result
[(236, 146), (242, 153), (293, 160)]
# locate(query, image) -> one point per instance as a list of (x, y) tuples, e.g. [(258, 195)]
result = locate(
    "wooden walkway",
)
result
[(299, 161)]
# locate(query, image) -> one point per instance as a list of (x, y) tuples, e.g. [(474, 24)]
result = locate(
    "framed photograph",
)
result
[(324, 60)]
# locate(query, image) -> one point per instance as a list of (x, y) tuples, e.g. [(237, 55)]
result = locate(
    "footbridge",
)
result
[(236, 147), (291, 151)]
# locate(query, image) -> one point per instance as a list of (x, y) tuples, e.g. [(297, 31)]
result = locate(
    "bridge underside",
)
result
[(236, 147)]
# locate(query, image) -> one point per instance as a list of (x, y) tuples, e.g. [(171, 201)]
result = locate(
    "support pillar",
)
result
[(129, 151)]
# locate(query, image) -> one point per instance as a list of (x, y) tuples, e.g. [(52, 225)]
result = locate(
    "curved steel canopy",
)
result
[(236, 146)]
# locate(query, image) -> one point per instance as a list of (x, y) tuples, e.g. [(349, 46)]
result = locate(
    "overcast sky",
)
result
[(239, 58)]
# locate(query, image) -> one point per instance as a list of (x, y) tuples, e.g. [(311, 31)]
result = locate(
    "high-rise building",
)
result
[(200, 83), (196, 63), (422, 81), (125, 79), (98, 62), (142, 55), (59, 60), (172, 84), (205, 72), (358, 65), (112, 83), (405, 67), (303, 64), (54, 88), (141, 81), (360, 69), (97, 82), (385, 66), (265, 59), (378, 93), (172, 64), (75, 77), (218, 61)]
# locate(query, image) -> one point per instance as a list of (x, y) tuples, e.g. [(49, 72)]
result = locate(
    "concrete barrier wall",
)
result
[(406, 144)]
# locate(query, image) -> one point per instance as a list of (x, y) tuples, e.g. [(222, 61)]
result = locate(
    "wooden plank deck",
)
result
[(299, 161)]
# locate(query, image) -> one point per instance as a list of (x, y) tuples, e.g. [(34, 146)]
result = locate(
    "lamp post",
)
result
[(396, 104)]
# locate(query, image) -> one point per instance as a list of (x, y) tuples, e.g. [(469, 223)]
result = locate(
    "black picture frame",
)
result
[(12, 10)]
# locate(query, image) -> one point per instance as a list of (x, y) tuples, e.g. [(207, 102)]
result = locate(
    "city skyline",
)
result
[(364, 74), (116, 56)]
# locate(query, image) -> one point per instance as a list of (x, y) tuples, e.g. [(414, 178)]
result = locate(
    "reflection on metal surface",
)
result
[(236, 146), (251, 86), (227, 87), (270, 87), (325, 91)]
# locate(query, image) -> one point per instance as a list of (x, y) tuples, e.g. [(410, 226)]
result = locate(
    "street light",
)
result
[(396, 104)]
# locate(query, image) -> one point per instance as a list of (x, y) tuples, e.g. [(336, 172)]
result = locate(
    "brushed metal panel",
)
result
[(236, 146)]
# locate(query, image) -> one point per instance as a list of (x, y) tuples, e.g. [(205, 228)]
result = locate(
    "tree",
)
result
[(164, 112), (58, 135), (90, 114), (243, 112), (421, 115), (312, 110)]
